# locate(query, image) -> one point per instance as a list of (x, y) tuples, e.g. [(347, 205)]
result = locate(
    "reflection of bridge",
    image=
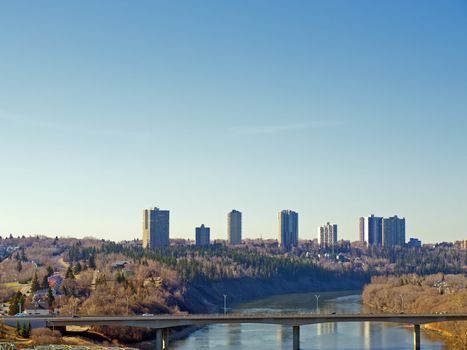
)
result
[(162, 323)]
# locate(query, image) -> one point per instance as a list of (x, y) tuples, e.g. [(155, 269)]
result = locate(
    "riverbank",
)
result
[(423, 294), (209, 297)]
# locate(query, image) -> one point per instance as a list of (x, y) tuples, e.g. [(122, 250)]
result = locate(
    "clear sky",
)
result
[(335, 109)]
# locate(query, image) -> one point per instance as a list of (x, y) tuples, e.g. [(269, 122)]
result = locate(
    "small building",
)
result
[(55, 281), (414, 243), (118, 265)]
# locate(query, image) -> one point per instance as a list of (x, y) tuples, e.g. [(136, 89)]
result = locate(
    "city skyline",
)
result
[(333, 109), (371, 223)]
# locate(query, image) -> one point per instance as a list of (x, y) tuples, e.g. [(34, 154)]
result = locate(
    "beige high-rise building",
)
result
[(155, 228), (327, 235), (234, 227)]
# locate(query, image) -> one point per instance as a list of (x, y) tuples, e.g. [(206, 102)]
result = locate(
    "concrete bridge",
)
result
[(162, 323)]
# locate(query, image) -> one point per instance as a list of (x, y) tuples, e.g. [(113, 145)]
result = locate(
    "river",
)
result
[(342, 336)]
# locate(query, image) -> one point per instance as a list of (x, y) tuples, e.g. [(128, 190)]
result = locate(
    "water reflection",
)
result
[(365, 329), (282, 334), (326, 328), (233, 334)]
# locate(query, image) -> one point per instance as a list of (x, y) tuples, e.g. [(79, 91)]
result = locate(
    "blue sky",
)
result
[(335, 109)]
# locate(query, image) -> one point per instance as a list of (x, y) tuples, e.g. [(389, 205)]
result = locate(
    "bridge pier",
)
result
[(162, 339), (296, 338), (416, 337)]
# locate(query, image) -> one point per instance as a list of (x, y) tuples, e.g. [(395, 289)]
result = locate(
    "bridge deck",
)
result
[(168, 321)]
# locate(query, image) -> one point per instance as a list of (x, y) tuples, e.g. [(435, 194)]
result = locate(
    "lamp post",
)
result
[(317, 302), (225, 304)]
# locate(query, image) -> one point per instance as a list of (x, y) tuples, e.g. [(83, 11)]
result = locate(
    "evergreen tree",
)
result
[(50, 271), (28, 330), (19, 266), (45, 282), (35, 283), (50, 297), (69, 273), (77, 268), (22, 330), (23, 256), (16, 300), (92, 262)]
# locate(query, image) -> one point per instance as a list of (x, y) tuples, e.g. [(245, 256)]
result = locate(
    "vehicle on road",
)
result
[(147, 315)]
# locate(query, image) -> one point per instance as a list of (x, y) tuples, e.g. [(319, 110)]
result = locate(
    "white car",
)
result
[(147, 315)]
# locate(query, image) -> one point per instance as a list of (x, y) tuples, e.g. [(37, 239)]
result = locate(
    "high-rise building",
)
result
[(288, 228), (234, 227), (155, 228), (203, 235), (361, 229), (374, 230), (382, 231), (393, 231), (327, 235)]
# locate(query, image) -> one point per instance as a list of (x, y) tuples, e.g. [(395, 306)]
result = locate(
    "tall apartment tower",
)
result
[(155, 228), (288, 228), (361, 229), (234, 227), (374, 230), (327, 235), (393, 231), (203, 235)]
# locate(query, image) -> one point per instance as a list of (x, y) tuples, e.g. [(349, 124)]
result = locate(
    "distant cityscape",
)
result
[(373, 230)]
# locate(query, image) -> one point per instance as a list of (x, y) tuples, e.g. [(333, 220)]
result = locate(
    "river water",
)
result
[(342, 336)]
